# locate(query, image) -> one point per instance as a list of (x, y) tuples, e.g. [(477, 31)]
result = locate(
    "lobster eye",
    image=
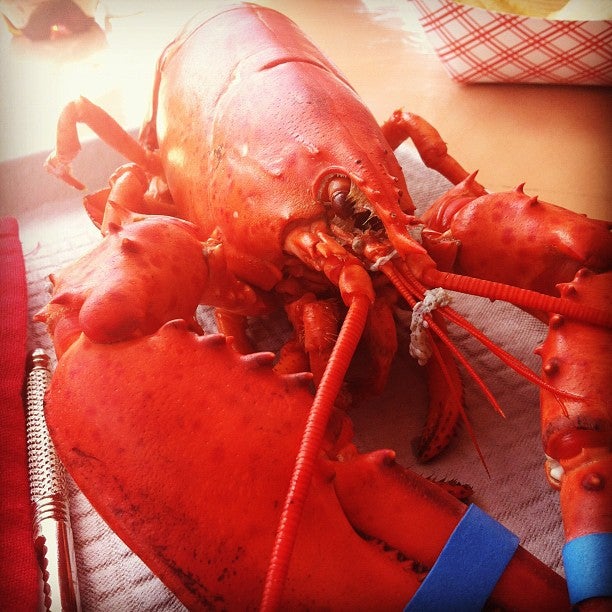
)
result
[(336, 194)]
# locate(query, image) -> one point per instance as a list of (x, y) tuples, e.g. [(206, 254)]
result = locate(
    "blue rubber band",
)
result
[(469, 566), (588, 566)]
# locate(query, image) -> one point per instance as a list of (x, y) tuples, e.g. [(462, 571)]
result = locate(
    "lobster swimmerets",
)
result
[(292, 193)]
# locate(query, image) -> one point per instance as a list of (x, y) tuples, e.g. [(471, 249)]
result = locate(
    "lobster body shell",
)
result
[(267, 126)]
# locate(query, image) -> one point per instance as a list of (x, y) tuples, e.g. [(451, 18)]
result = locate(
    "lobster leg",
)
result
[(427, 140), (292, 356), (234, 325), (126, 192), (316, 322), (82, 110), (445, 404), (320, 329), (380, 341), (130, 189)]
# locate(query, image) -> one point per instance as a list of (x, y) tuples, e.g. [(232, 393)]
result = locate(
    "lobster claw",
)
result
[(201, 506), (577, 437)]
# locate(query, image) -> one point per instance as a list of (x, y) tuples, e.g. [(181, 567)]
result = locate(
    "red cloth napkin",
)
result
[(18, 567)]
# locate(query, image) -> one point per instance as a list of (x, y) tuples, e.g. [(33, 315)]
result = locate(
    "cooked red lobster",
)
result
[(259, 183)]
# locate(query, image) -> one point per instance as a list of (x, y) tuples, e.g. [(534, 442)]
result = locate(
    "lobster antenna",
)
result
[(510, 360), (310, 446), (523, 298)]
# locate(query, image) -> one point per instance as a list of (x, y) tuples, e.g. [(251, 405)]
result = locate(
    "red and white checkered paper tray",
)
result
[(480, 46)]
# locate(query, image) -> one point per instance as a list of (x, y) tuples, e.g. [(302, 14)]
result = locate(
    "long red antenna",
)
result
[(318, 418), (523, 298)]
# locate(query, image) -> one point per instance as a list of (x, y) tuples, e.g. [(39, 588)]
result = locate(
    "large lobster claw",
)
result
[(185, 448)]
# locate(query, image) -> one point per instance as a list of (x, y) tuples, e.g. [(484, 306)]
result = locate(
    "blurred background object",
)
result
[(575, 10), (58, 30), (48, 19), (509, 45), (584, 9)]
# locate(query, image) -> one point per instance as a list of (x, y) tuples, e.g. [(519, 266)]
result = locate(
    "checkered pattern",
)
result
[(480, 46)]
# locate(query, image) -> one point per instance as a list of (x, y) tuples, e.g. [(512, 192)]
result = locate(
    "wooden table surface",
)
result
[(556, 139)]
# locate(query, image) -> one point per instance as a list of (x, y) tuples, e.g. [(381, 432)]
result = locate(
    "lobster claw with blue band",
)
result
[(469, 566), (192, 479), (577, 437)]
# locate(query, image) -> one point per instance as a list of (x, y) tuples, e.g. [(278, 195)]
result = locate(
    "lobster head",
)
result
[(304, 150)]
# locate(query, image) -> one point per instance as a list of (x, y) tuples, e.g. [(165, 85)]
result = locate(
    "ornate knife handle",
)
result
[(48, 490)]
